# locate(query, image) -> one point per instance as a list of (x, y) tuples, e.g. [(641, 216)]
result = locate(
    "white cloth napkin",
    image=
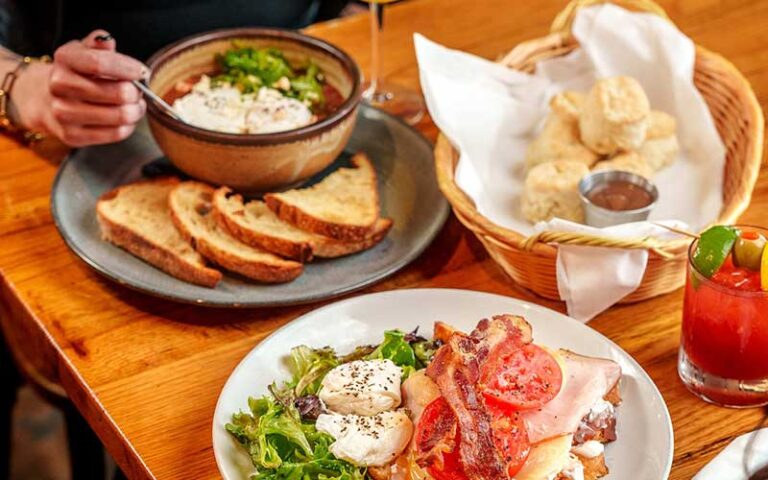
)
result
[(741, 458), (491, 113), (583, 280)]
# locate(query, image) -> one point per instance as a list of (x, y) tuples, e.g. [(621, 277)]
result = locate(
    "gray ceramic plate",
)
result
[(409, 195)]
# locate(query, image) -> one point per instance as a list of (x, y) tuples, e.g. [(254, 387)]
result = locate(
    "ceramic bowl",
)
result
[(252, 162)]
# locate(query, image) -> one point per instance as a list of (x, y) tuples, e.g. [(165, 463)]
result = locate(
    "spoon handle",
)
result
[(157, 99)]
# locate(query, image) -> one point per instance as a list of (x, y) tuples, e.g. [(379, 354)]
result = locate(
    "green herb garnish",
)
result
[(249, 69)]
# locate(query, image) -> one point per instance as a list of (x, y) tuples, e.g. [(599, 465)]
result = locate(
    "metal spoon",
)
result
[(157, 99)]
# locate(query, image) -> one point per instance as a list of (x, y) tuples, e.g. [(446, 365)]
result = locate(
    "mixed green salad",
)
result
[(279, 432), (249, 69)]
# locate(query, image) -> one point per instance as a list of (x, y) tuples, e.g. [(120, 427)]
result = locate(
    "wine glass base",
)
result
[(397, 100), (724, 392)]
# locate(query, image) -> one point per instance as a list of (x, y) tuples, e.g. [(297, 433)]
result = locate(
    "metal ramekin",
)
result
[(602, 217)]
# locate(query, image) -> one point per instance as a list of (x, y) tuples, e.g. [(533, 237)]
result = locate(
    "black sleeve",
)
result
[(5, 23), (30, 27), (330, 9)]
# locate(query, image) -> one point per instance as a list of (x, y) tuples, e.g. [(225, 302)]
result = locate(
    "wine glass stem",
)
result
[(375, 50)]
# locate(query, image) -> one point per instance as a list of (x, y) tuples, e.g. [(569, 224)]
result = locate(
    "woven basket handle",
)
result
[(564, 20), (574, 238)]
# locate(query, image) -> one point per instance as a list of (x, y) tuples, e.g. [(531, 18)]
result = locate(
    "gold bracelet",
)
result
[(6, 123)]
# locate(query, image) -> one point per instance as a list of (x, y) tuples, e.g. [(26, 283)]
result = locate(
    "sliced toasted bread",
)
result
[(344, 205), (136, 217), (255, 224), (327, 247), (191, 210)]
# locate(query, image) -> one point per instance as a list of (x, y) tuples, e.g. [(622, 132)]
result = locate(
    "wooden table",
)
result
[(146, 373)]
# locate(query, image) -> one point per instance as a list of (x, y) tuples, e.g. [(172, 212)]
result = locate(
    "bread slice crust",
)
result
[(147, 248), (326, 247), (229, 211), (230, 253), (288, 205), (290, 241)]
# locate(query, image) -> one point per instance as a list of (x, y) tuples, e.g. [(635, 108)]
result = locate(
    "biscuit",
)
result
[(631, 162), (552, 190), (614, 116), (660, 124), (659, 152), (559, 140), (567, 104)]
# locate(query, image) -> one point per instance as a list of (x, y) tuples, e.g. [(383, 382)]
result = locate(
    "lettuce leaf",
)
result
[(270, 432), (282, 447), (309, 366), (424, 351), (395, 348), (323, 465)]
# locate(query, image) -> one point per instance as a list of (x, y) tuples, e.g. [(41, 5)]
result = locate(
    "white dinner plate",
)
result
[(645, 441)]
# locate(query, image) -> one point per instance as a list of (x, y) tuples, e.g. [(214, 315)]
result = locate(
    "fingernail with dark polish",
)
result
[(144, 73), (104, 38)]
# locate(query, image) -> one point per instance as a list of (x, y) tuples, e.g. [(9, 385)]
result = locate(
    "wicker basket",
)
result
[(530, 261)]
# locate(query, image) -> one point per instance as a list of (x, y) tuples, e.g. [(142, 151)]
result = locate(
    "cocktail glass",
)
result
[(724, 346)]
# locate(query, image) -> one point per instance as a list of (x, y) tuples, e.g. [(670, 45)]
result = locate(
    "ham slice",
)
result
[(586, 381)]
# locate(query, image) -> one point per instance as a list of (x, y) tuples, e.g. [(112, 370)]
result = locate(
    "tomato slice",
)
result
[(437, 424), (520, 377), (510, 438), (451, 468)]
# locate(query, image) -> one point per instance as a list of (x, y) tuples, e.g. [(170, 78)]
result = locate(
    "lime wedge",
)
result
[(764, 270), (713, 248)]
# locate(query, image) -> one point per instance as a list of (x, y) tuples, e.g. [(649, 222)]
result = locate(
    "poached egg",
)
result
[(224, 108), (362, 387), (367, 440)]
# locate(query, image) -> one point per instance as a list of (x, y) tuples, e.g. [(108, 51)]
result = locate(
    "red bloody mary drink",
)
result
[(724, 346)]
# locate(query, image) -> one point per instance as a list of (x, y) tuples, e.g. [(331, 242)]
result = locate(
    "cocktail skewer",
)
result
[(677, 230)]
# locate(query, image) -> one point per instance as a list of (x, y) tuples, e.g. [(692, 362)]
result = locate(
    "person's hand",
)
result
[(85, 97)]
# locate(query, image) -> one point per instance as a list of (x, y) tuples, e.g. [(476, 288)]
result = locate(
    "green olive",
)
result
[(747, 253)]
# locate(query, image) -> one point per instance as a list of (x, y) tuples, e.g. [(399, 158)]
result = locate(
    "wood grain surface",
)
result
[(146, 373)]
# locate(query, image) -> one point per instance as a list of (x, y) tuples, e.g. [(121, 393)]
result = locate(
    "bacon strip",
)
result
[(456, 369)]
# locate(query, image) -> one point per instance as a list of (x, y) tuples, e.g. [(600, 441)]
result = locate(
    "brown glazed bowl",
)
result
[(252, 162)]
